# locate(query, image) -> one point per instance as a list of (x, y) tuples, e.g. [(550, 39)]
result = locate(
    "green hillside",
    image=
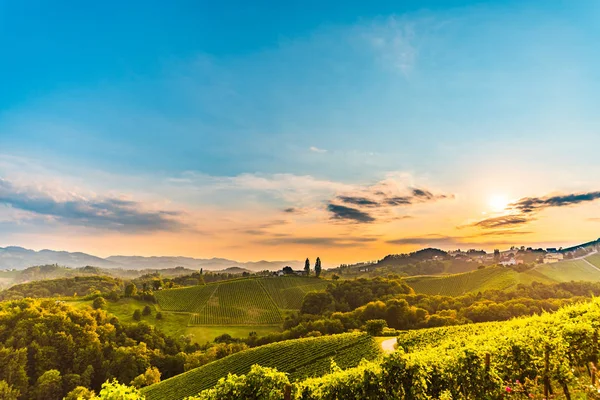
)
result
[(301, 358), (594, 259), (502, 278), (570, 270), (257, 301), (475, 281)]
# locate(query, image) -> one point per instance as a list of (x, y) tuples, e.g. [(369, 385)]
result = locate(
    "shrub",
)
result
[(99, 303), (137, 315)]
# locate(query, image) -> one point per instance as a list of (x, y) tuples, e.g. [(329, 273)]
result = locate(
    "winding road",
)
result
[(388, 346)]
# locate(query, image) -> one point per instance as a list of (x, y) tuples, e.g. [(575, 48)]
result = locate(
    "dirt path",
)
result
[(591, 265), (388, 345)]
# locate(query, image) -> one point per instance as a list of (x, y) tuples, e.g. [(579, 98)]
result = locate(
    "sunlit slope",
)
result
[(475, 281), (570, 270), (301, 358), (253, 301)]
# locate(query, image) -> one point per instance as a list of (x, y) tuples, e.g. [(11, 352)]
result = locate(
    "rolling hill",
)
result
[(301, 358), (13, 257), (502, 278), (252, 301)]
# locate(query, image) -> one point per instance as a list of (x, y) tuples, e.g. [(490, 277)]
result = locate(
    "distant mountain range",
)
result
[(14, 257)]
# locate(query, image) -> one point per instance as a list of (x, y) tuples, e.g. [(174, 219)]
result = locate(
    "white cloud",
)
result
[(317, 150)]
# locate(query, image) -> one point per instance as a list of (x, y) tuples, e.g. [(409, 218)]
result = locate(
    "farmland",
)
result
[(239, 302), (502, 278), (301, 358)]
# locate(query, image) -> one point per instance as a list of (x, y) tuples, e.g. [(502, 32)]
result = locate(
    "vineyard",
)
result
[(241, 301), (301, 358), (288, 292), (502, 278), (570, 270), (455, 285), (541, 357)]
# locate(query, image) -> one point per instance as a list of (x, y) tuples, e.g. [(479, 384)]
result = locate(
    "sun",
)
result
[(499, 203)]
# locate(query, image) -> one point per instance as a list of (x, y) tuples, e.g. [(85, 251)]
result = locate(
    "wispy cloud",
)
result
[(344, 241), (377, 202), (317, 150), (535, 204), (104, 213), (524, 210), (502, 221)]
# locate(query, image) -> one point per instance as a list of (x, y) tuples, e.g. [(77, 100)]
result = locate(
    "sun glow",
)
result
[(498, 203)]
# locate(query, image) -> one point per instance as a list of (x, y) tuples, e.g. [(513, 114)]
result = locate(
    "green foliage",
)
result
[(147, 310), (130, 290), (259, 384), (307, 267), (316, 303), (48, 348), (116, 391), (137, 315), (375, 327), (49, 386), (99, 303), (80, 285), (80, 393), (318, 267), (159, 315), (150, 377), (300, 358), (484, 361), (7, 392)]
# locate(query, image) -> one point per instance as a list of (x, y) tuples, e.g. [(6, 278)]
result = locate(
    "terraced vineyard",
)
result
[(454, 285), (238, 302), (301, 358), (241, 301), (288, 292), (189, 299)]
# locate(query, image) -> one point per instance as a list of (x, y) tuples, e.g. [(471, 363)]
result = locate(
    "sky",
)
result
[(284, 130)]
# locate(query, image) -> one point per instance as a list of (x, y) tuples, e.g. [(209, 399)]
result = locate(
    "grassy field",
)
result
[(594, 259), (570, 270), (301, 358)]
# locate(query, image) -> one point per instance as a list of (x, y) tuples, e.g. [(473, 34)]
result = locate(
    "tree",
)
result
[(151, 376), (130, 290), (137, 315), (7, 392), (496, 254), (288, 270), (374, 327), (316, 303), (99, 303), (318, 267), (307, 267), (80, 393), (49, 386), (115, 391), (159, 315), (335, 277), (147, 310), (157, 284)]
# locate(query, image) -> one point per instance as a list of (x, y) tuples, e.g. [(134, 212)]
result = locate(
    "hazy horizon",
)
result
[(274, 132)]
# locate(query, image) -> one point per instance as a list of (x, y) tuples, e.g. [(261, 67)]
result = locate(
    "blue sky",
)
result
[(237, 110)]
